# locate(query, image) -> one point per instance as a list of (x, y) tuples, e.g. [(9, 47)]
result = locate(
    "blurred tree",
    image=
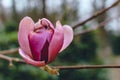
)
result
[(115, 43), (44, 8), (2, 15), (69, 9), (11, 26), (102, 34), (14, 11)]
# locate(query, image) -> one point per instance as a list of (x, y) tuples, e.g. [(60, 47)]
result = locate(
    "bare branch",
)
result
[(97, 14), (98, 26), (85, 67), (55, 69), (11, 51), (10, 59)]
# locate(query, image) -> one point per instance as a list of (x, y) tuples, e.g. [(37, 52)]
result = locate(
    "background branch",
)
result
[(98, 26), (97, 14)]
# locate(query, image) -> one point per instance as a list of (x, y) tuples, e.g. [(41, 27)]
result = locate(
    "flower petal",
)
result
[(46, 21), (56, 42), (68, 36), (26, 25), (37, 41), (29, 60)]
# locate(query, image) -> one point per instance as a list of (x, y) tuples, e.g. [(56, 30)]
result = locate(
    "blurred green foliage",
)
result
[(85, 74), (81, 51), (8, 40), (9, 36), (115, 44), (23, 72), (11, 26)]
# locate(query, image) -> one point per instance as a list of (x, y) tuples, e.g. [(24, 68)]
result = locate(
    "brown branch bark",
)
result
[(85, 67), (92, 29), (11, 51), (97, 26), (10, 59), (97, 14)]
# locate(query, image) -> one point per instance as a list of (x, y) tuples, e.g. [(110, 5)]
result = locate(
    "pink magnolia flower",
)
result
[(40, 42)]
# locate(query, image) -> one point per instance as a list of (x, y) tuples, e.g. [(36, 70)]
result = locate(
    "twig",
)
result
[(10, 59), (85, 67), (11, 51), (91, 29), (96, 14), (98, 26), (55, 69)]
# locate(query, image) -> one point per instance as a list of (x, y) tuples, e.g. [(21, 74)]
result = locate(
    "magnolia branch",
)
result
[(10, 59), (63, 67), (85, 67), (11, 51), (55, 69), (97, 14)]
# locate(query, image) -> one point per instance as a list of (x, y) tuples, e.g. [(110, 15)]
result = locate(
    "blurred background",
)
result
[(100, 46)]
